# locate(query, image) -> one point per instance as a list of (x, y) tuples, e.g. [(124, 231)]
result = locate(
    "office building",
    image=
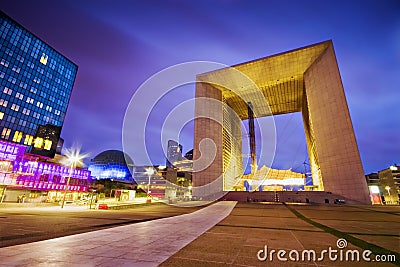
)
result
[(36, 83), (189, 155), (151, 179), (174, 153), (389, 183)]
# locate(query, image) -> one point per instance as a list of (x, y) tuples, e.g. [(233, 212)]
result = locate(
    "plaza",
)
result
[(222, 234)]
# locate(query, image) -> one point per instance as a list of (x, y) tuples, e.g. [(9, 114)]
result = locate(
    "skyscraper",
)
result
[(35, 87), (174, 153)]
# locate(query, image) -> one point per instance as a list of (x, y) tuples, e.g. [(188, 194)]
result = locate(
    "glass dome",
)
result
[(112, 164)]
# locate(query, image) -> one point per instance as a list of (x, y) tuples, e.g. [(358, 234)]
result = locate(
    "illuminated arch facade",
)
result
[(305, 80)]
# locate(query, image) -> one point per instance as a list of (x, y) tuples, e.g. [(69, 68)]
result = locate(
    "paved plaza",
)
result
[(237, 239), (225, 234), (25, 223), (140, 244)]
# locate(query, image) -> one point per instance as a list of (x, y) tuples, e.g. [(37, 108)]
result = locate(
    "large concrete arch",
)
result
[(304, 80)]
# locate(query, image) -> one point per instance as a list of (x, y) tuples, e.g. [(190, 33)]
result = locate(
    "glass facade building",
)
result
[(36, 83), (174, 153)]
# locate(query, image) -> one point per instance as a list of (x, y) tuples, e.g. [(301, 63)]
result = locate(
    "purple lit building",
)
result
[(24, 174)]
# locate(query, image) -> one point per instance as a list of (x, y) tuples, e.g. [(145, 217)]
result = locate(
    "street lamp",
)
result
[(73, 158), (149, 172)]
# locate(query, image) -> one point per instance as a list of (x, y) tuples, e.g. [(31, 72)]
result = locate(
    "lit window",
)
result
[(3, 103), (5, 134), (26, 111), (16, 69), (47, 144), (15, 107), (1, 115), (38, 142), (7, 90), (28, 140), (19, 96), (17, 136), (43, 59), (4, 63)]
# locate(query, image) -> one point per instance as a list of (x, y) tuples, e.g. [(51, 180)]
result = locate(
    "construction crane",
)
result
[(252, 138)]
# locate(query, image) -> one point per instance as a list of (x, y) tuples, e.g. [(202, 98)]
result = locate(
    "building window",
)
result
[(11, 119), (43, 59), (15, 107), (3, 103), (31, 65), (4, 62), (5, 134), (1, 115), (26, 111), (23, 85), (22, 122), (9, 52), (29, 100), (47, 144), (7, 91), (12, 80), (17, 136), (20, 59), (38, 142), (28, 140), (19, 96), (16, 69)]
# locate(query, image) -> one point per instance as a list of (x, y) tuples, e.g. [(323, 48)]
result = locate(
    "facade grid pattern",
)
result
[(35, 83)]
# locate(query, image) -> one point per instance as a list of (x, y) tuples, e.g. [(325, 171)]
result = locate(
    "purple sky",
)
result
[(120, 44)]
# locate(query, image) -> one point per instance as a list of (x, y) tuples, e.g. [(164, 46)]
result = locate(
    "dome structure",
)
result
[(112, 164)]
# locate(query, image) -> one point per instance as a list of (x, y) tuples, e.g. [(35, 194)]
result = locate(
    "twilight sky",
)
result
[(118, 45)]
